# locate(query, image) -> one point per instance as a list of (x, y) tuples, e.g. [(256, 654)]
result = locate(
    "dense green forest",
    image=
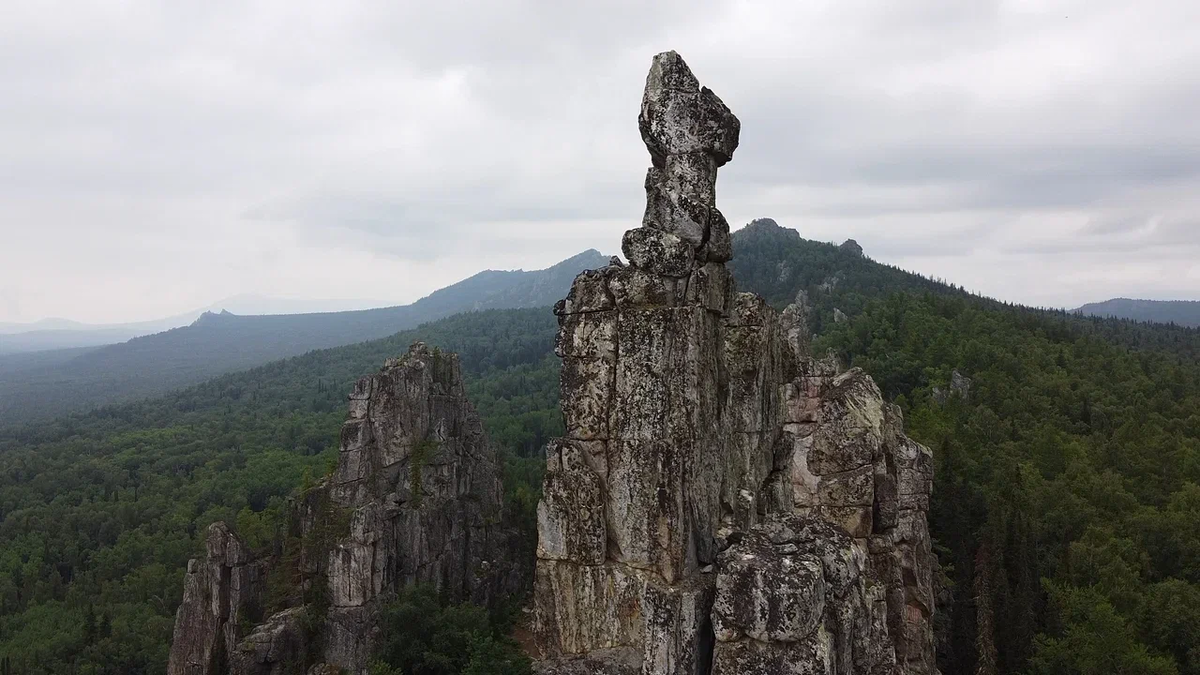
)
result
[(1068, 484), (777, 263), (422, 635), (99, 513), (1066, 511)]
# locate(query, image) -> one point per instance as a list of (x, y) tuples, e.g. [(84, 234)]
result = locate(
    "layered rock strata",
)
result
[(415, 497), (721, 502)]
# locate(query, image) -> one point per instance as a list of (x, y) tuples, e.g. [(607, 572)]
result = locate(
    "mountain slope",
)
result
[(1179, 312), (777, 263), (50, 334), (220, 343)]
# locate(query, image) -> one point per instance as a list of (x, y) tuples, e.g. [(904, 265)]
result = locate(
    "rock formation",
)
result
[(721, 502), (960, 387), (220, 592), (423, 485), (415, 497)]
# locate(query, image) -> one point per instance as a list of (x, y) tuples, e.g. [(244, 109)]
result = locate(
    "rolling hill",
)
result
[(218, 343), (53, 333), (1178, 312)]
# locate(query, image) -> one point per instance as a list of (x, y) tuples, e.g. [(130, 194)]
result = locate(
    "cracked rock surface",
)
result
[(722, 502), (415, 497)]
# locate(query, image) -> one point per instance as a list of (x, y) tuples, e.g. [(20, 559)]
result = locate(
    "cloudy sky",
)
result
[(158, 156)]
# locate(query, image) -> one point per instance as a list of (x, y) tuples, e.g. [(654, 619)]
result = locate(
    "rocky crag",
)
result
[(415, 497), (722, 502)]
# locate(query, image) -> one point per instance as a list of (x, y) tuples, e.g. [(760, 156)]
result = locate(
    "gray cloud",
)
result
[(155, 160)]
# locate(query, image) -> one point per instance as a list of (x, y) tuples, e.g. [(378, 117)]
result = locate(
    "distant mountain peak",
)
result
[(765, 223), (767, 227), (590, 257), (210, 316), (221, 340)]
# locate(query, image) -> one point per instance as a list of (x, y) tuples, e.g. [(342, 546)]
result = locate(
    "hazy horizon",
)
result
[(259, 304), (160, 157)]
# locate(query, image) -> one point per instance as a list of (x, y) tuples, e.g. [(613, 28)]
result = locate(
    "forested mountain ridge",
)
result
[(52, 334), (1074, 460), (1180, 312), (777, 263), (221, 342), (55, 333)]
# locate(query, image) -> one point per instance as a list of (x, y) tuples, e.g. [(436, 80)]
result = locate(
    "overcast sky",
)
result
[(158, 156)]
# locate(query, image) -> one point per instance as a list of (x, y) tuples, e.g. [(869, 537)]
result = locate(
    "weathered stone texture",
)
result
[(723, 503), (221, 591), (277, 647), (417, 491)]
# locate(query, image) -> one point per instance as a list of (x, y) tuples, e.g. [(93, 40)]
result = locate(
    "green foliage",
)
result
[(103, 510), (1096, 640), (381, 668), (1076, 459), (422, 636)]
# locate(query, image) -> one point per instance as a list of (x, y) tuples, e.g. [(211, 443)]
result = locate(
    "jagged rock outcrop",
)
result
[(831, 282), (852, 247), (721, 502), (221, 591), (422, 485), (415, 497), (281, 646), (960, 387)]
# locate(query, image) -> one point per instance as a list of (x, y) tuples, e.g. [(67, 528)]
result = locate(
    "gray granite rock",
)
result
[(723, 503), (415, 497), (221, 592), (680, 117), (852, 247), (277, 647)]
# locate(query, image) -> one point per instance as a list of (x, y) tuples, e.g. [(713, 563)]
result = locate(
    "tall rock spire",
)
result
[(689, 133), (712, 506)]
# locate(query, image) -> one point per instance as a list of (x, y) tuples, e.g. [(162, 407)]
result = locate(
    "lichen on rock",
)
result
[(413, 499), (722, 503)]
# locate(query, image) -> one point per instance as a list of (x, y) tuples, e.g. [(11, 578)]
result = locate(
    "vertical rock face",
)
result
[(721, 502), (220, 591), (415, 497), (420, 485)]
